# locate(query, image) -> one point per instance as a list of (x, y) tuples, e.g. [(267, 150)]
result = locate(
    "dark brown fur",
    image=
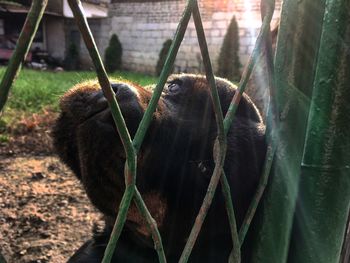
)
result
[(174, 164)]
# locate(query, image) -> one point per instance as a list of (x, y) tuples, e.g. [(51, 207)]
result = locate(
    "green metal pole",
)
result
[(22, 47), (2, 259), (296, 53), (130, 164), (345, 254), (324, 198), (169, 62)]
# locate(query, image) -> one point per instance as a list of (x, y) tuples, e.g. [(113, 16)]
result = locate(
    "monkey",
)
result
[(174, 164)]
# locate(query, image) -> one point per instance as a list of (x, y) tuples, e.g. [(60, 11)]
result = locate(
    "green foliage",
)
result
[(162, 56), (3, 125), (113, 54), (228, 59), (36, 90), (4, 138), (71, 61)]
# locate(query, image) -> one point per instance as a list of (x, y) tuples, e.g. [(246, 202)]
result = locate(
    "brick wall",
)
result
[(143, 28)]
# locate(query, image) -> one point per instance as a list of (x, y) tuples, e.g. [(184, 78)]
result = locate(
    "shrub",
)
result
[(71, 60), (162, 56), (228, 59), (113, 54)]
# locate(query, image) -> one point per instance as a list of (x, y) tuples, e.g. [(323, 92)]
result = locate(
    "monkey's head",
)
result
[(179, 139), (175, 161)]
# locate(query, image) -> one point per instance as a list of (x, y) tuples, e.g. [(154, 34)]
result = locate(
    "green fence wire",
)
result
[(326, 153), (223, 126), (131, 147), (264, 43)]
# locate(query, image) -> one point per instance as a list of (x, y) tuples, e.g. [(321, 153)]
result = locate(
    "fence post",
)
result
[(296, 53), (324, 197)]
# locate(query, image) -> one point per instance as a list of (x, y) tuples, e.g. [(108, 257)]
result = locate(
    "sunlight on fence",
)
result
[(131, 147)]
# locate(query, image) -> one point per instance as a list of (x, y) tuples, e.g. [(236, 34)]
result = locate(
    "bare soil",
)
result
[(44, 212)]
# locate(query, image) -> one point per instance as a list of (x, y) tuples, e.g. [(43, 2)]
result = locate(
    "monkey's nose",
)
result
[(118, 86)]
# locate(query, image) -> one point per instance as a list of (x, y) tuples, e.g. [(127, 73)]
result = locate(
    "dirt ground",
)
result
[(44, 213)]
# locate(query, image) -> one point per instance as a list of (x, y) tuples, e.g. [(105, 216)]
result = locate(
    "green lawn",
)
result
[(36, 90)]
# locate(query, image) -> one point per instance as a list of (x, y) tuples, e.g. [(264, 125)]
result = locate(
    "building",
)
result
[(144, 25), (57, 29)]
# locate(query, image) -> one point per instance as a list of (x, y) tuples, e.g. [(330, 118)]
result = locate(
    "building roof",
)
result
[(91, 10), (142, 1), (16, 8)]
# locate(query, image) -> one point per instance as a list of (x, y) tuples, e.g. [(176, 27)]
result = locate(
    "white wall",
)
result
[(55, 36), (143, 27)]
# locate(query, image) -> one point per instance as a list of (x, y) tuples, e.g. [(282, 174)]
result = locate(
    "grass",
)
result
[(34, 91)]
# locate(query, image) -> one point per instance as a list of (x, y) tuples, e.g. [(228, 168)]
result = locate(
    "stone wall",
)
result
[(55, 36), (73, 35), (143, 28)]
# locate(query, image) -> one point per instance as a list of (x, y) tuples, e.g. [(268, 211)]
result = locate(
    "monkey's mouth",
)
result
[(97, 103), (94, 112)]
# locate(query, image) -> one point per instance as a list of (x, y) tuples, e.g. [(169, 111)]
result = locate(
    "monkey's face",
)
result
[(86, 138), (183, 127), (86, 102), (189, 103), (175, 161)]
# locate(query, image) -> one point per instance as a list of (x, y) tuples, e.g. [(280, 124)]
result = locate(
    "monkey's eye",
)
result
[(173, 87)]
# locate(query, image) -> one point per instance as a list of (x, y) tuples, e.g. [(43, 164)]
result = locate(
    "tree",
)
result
[(113, 54), (228, 59), (162, 56), (71, 60)]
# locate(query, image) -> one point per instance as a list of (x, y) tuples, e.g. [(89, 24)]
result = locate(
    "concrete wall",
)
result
[(143, 28), (55, 6), (55, 36), (73, 35)]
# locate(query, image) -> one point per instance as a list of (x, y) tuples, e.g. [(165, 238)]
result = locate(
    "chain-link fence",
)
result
[(312, 148)]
